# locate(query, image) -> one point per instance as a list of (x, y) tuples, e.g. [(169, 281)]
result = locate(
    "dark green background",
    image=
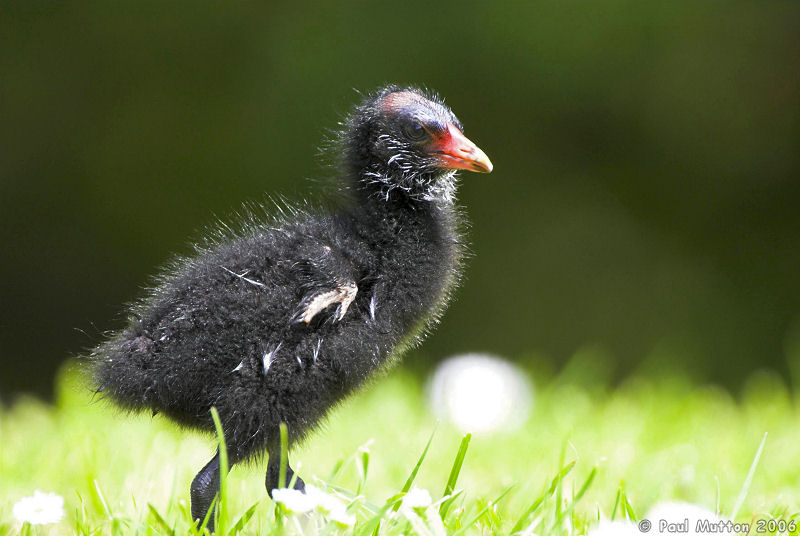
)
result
[(643, 208)]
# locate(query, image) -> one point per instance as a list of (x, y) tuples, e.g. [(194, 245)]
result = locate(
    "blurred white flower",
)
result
[(341, 517), (615, 528), (417, 498), (298, 502), (669, 517), (41, 509), (331, 506), (293, 500), (480, 393)]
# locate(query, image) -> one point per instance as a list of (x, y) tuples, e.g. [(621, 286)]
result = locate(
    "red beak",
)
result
[(456, 151)]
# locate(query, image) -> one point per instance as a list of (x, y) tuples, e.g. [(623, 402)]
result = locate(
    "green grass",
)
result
[(587, 452)]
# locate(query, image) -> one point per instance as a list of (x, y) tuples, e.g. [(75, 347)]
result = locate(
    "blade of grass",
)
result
[(579, 495), (239, 525), (616, 504), (749, 479), (211, 509), (284, 455), (373, 525), (394, 501), (454, 472), (81, 516), (561, 457), (565, 470), (295, 476), (160, 520), (448, 501), (362, 463), (537, 503), (337, 469), (413, 475), (628, 507), (102, 499), (480, 514)]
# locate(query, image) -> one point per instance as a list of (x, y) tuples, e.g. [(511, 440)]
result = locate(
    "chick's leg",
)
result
[(204, 489)]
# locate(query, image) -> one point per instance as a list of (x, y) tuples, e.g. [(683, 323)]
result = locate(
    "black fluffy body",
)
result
[(224, 329)]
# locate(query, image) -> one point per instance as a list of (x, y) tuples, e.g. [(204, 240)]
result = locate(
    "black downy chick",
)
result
[(280, 321)]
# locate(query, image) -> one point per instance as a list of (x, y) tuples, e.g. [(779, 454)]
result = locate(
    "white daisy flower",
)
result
[(314, 498), (331, 507), (41, 509), (341, 517), (293, 500), (417, 498)]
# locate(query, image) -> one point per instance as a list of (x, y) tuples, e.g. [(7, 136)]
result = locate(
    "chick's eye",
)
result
[(415, 131)]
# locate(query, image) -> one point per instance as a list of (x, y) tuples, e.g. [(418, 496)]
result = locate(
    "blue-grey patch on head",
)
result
[(413, 106)]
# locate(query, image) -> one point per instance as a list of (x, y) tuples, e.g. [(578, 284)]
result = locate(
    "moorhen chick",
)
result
[(280, 320)]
